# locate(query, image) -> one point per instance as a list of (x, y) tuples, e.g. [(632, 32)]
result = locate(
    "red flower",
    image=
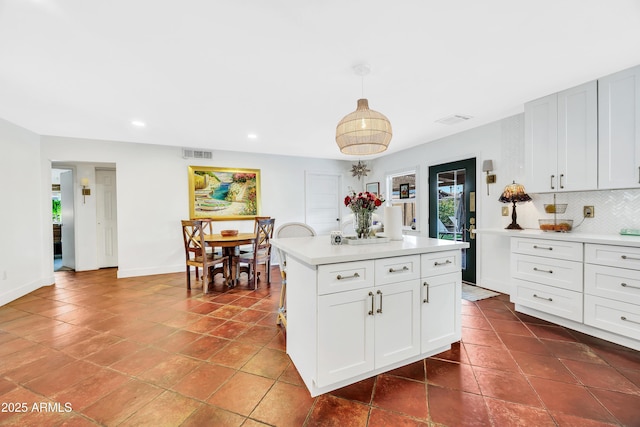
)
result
[(378, 202), (347, 200)]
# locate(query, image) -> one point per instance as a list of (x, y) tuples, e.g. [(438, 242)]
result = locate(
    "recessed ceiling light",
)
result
[(138, 123), (252, 136)]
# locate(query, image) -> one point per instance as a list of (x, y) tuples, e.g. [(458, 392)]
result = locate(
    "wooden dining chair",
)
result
[(195, 248), (290, 229), (260, 254)]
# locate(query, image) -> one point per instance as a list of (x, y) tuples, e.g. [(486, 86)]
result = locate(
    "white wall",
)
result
[(152, 186), (500, 141), (24, 238)]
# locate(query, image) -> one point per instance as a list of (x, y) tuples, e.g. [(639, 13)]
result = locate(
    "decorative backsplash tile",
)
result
[(614, 210)]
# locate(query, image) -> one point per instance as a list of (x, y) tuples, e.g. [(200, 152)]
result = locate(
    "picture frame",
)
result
[(373, 187), (224, 193), (404, 191)]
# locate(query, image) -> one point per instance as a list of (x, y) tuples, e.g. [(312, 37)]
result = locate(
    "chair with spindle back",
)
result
[(193, 232)]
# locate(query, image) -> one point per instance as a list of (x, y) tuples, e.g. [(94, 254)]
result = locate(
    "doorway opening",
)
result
[(62, 216), (452, 208)]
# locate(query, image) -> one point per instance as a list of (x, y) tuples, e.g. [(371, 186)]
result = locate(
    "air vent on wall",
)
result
[(190, 153), (454, 119)]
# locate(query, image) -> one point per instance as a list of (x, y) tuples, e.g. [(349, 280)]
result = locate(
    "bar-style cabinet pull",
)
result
[(552, 177), (630, 257), (441, 263), (426, 300), (543, 247), (353, 276), (624, 285), (371, 311), (543, 271), (392, 270), (380, 309), (547, 299), (561, 176), (628, 320)]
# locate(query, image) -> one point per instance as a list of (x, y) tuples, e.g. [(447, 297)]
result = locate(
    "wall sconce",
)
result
[(487, 166), (86, 191)]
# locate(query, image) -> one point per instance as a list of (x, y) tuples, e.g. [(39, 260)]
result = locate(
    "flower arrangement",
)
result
[(362, 205)]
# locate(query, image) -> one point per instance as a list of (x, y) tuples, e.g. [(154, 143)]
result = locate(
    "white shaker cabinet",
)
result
[(441, 296), (354, 311), (619, 130), (367, 328), (561, 141)]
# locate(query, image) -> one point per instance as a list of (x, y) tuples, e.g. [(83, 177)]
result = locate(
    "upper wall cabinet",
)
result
[(561, 141), (619, 130)]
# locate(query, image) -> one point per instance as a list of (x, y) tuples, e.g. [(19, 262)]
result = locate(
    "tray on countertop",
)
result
[(352, 240)]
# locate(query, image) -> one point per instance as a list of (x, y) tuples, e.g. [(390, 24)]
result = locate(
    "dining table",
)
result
[(229, 244)]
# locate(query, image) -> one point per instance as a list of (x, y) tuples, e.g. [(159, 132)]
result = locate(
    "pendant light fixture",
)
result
[(364, 131)]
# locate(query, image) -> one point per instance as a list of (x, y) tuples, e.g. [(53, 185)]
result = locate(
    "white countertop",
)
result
[(319, 250), (604, 239)]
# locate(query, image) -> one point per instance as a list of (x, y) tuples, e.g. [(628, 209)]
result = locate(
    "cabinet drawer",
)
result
[(547, 271), (439, 263), (559, 302), (614, 283), (570, 251), (614, 316), (614, 256), (397, 269), (345, 276)]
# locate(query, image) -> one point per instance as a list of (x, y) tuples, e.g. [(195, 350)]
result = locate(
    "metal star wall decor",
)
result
[(359, 170)]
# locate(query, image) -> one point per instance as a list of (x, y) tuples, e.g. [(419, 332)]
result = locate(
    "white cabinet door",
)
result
[(441, 296), (619, 130), (397, 322), (578, 138), (541, 144), (561, 141), (345, 335)]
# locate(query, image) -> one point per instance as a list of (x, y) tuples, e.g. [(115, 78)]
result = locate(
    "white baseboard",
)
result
[(14, 294)]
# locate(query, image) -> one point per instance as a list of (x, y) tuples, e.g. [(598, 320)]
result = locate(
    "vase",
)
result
[(362, 223)]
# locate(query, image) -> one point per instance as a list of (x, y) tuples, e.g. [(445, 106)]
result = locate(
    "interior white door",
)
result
[(68, 218), (106, 217), (322, 201)]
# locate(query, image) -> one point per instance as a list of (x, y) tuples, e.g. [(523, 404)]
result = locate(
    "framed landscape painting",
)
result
[(224, 193)]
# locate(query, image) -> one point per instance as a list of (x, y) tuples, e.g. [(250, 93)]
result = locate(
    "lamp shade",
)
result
[(364, 131), (487, 166), (514, 193)]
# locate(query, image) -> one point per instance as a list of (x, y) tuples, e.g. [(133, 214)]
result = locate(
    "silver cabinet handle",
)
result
[(628, 320), (624, 285), (552, 177), (441, 263), (561, 176), (544, 271), (353, 276), (638, 174), (371, 311), (549, 248), (426, 300), (546, 299), (380, 309), (404, 268), (630, 258)]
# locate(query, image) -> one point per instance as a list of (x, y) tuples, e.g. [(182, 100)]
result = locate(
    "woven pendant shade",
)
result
[(364, 131)]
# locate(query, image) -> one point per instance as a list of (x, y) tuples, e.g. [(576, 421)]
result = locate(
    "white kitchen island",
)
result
[(354, 311)]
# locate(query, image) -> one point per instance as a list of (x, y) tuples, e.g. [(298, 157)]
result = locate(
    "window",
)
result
[(402, 188)]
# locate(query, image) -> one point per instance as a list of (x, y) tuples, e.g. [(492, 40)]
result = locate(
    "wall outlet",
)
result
[(505, 211), (588, 212)]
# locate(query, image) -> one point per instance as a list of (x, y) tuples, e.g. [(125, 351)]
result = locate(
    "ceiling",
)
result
[(205, 74)]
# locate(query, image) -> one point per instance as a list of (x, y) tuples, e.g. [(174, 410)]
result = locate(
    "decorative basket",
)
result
[(229, 233)]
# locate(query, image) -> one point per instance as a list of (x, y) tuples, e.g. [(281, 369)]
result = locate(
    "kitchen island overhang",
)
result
[(355, 311)]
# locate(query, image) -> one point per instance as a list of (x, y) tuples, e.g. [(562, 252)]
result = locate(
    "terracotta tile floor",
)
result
[(96, 350)]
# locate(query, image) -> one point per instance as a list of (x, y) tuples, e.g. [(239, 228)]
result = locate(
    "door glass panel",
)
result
[(452, 213)]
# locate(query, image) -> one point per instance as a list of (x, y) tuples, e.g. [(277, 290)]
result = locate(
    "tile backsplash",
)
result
[(614, 210)]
